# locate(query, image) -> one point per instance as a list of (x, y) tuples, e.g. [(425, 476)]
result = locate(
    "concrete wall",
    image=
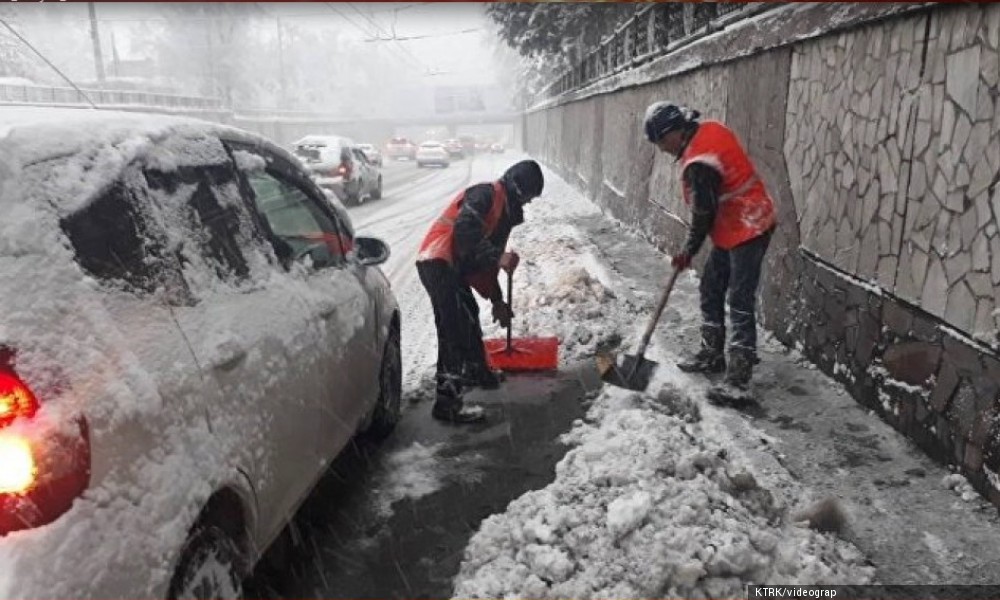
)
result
[(877, 131)]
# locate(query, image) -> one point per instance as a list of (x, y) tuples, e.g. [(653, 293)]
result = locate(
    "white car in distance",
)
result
[(432, 153)]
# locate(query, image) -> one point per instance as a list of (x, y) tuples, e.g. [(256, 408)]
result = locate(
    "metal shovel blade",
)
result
[(630, 372)]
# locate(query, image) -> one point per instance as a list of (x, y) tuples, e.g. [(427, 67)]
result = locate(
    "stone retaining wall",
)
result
[(877, 130)]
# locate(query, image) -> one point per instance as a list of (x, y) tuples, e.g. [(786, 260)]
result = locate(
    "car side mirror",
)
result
[(371, 251)]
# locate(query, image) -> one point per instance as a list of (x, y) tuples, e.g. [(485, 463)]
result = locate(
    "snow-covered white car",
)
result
[(190, 335), (432, 153), (339, 165)]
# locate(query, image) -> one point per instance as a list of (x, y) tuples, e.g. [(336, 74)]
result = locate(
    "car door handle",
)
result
[(328, 310), (227, 357)]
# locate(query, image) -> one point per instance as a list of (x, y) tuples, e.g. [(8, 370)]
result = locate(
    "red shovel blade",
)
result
[(524, 354)]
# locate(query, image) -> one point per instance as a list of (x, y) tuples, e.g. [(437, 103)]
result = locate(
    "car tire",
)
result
[(420, 165), (377, 192), (388, 411), (209, 567), (357, 197)]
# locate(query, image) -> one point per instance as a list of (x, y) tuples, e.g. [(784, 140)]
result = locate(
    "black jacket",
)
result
[(475, 253), (705, 183)]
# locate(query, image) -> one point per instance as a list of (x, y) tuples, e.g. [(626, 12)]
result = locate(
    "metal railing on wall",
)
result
[(655, 29)]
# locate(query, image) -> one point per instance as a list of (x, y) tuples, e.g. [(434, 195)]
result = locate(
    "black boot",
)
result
[(735, 389), (710, 358), (481, 376), (453, 410)]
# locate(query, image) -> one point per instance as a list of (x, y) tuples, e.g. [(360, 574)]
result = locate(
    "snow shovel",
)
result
[(521, 354), (633, 371)]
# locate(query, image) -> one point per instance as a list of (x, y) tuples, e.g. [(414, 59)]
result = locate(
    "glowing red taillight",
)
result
[(18, 470), (44, 465), (16, 399), (344, 170)]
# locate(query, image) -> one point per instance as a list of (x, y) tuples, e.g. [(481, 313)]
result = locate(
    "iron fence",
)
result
[(655, 29), (67, 96)]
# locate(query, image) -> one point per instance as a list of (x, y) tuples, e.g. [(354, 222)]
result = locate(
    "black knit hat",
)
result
[(525, 179), (664, 117)]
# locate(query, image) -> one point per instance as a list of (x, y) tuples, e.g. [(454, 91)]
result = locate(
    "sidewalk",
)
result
[(664, 495)]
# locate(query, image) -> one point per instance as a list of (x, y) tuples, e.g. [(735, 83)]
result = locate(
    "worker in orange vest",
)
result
[(464, 249), (730, 204)]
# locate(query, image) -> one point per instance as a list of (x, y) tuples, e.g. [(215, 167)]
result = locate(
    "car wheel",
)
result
[(377, 192), (420, 165), (209, 567), (390, 398)]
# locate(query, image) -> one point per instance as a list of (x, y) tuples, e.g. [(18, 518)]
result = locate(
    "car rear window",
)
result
[(211, 194), (113, 242)]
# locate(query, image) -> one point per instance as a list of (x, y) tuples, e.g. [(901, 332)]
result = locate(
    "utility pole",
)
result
[(95, 37), (114, 54), (282, 92)]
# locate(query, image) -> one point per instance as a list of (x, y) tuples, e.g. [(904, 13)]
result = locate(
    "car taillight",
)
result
[(43, 467), (344, 170), (16, 400), (17, 465)]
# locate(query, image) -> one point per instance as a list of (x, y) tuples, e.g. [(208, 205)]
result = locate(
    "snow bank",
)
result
[(647, 505), (560, 288)]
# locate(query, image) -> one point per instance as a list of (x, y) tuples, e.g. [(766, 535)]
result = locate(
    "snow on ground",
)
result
[(410, 472), (652, 500)]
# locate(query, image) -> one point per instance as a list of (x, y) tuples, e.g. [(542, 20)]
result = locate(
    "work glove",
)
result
[(509, 261), (681, 261), (502, 313)]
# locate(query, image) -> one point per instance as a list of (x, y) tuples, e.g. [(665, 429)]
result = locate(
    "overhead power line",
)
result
[(48, 62), (161, 19), (379, 31), (400, 51), (428, 36)]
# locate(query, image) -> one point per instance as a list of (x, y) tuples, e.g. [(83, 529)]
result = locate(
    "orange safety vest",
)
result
[(745, 209), (439, 243)]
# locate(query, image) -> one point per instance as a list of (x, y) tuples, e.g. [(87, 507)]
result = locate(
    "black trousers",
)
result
[(736, 271), (456, 316)]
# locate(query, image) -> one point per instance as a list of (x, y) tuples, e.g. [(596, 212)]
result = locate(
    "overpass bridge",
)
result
[(283, 126)]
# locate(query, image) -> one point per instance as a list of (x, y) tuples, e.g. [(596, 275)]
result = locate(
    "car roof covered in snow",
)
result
[(32, 134), (324, 140), (95, 145)]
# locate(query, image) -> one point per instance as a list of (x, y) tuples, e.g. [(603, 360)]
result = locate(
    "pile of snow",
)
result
[(560, 289), (961, 486), (646, 504)]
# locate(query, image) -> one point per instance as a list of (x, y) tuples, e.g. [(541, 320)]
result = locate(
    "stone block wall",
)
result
[(877, 131)]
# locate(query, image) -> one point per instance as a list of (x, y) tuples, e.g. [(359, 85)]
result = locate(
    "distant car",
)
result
[(497, 148), (432, 153), (482, 146), (374, 156), (190, 336), (337, 164), (455, 148), (468, 144), (400, 148)]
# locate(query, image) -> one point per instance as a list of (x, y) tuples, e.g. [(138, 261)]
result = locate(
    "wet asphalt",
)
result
[(340, 546)]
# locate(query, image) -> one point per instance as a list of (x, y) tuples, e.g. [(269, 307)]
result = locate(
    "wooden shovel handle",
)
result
[(656, 315), (510, 303)]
